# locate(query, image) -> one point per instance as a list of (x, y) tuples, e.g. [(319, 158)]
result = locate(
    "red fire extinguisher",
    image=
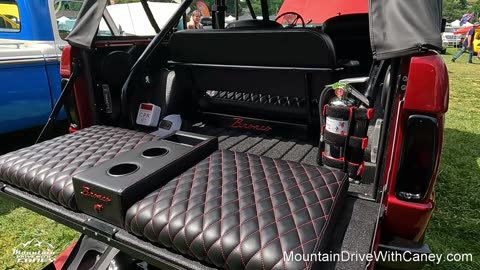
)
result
[(340, 113), (337, 124)]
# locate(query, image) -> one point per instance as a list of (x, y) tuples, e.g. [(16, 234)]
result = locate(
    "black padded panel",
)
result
[(115, 67), (242, 211), (46, 169), (252, 105), (295, 47), (253, 24), (259, 81), (350, 35)]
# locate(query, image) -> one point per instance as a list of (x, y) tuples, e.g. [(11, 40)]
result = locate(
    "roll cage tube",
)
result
[(250, 8), (150, 17), (218, 14), (265, 13), (110, 23), (159, 38)]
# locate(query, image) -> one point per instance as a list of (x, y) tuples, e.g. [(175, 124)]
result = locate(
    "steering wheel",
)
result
[(291, 18)]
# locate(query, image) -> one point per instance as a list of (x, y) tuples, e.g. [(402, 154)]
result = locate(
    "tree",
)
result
[(476, 9), (454, 9), (273, 6)]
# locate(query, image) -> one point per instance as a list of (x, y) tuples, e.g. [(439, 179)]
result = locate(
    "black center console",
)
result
[(107, 190)]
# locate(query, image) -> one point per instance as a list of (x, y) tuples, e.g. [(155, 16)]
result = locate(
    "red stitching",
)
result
[(332, 208), (293, 217)]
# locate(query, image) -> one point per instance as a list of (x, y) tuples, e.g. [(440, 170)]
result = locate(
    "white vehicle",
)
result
[(450, 38)]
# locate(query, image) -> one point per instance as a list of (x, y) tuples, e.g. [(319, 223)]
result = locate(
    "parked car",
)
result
[(451, 38), (233, 149), (445, 46), (476, 41), (30, 49)]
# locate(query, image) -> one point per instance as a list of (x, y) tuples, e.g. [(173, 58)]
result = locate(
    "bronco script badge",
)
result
[(239, 123), (87, 192)]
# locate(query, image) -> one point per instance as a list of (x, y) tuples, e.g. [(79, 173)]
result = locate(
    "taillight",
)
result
[(418, 161)]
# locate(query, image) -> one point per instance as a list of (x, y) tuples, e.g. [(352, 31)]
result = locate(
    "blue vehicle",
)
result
[(30, 50)]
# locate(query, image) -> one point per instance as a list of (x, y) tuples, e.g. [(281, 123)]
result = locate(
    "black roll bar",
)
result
[(150, 17), (236, 9), (250, 8), (157, 40), (265, 13), (218, 16)]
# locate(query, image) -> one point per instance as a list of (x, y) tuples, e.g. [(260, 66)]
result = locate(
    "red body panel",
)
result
[(318, 11), (79, 88), (427, 93), (65, 65), (427, 87), (62, 258)]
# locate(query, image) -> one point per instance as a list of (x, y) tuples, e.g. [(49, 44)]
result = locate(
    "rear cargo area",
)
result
[(352, 229)]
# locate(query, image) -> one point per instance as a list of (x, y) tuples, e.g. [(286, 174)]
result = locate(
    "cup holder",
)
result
[(155, 152), (123, 169)]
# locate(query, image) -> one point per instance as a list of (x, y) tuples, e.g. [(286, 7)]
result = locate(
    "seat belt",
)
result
[(47, 129)]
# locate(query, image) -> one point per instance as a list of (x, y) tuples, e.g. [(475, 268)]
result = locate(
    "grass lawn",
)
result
[(455, 227)]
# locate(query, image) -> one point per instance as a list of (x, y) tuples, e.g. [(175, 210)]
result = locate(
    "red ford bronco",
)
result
[(282, 143)]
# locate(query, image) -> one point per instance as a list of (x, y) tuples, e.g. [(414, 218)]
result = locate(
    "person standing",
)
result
[(194, 22), (468, 44)]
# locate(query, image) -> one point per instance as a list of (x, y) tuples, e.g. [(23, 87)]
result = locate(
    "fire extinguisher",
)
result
[(340, 113), (338, 125)]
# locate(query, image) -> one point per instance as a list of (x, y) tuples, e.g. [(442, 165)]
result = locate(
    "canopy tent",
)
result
[(456, 23)]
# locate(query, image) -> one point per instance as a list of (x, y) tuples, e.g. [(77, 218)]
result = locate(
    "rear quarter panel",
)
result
[(426, 92)]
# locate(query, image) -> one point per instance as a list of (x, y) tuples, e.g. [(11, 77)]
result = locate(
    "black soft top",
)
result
[(402, 27)]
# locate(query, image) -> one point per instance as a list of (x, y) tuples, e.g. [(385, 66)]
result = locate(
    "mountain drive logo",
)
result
[(34, 251)]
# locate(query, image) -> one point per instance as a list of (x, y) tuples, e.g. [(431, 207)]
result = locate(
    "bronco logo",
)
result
[(238, 123), (87, 192)]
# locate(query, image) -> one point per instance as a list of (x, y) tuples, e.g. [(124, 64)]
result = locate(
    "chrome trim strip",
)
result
[(21, 61), (52, 58), (23, 57), (30, 59)]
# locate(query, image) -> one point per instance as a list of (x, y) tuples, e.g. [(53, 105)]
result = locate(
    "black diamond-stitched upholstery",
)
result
[(241, 211), (295, 102), (46, 168)]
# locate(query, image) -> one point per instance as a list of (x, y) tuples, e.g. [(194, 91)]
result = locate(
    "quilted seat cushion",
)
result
[(241, 211), (46, 169)]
